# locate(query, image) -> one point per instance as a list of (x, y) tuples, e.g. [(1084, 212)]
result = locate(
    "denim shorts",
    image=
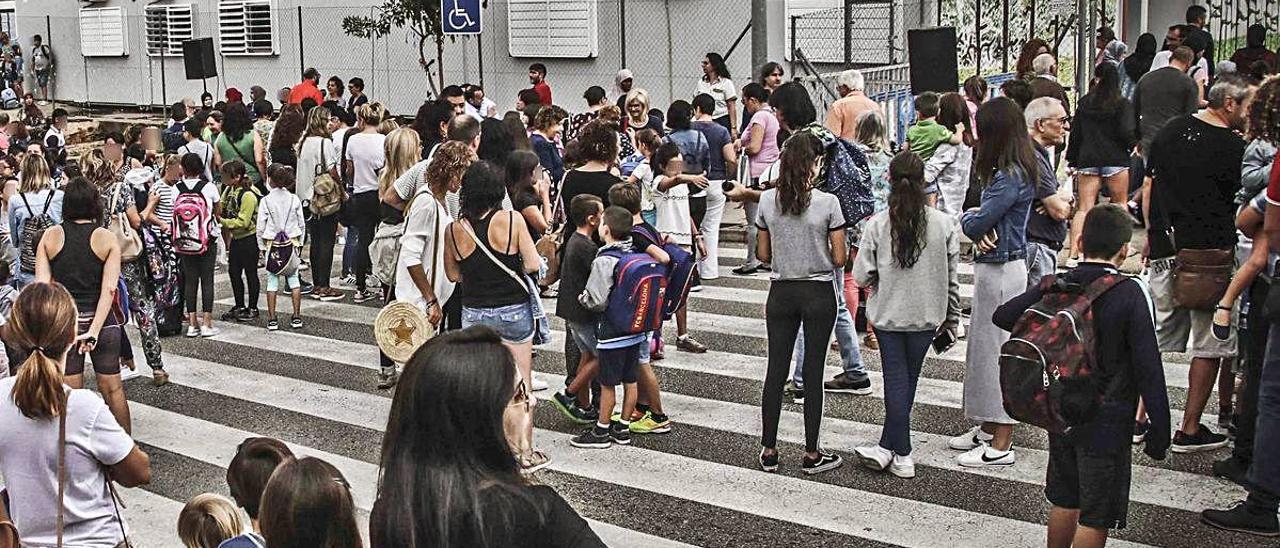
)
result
[(1110, 171), (513, 322), (292, 281), (584, 337)]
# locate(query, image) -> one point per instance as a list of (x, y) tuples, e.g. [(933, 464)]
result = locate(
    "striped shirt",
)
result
[(167, 193)]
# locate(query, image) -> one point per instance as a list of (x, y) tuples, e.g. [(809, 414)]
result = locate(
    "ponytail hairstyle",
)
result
[(907, 215), (796, 173), (43, 325)]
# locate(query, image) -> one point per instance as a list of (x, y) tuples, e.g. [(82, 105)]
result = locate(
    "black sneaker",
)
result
[(248, 315), (825, 462), (593, 438), (232, 315), (1140, 432), (387, 382), (620, 433), (1233, 469), (568, 407), (768, 463), (1202, 440), (273, 324), (796, 393), (1244, 518), (307, 288), (747, 270), (842, 384)]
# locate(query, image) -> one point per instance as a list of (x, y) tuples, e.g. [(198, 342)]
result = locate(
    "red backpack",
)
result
[(1046, 366)]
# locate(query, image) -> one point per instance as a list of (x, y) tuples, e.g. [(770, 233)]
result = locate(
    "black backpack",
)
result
[(172, 138), (32, 231)]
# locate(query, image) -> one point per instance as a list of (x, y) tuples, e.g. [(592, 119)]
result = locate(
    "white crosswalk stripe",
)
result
[(314, 391)]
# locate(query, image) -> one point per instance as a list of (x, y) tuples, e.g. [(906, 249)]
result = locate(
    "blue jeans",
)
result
[(901, 358), (850, 355), (1264, 473), (349, 251)]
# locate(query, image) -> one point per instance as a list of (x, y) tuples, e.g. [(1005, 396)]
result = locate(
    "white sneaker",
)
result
[(126, 374), (193, 331), (972, 438), (874, 456), (539, 385), (303, 265), (904, 467), (985, 455), (209, 332)]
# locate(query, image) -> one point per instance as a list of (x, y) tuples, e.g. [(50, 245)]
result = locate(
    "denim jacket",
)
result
[(1006, 204)]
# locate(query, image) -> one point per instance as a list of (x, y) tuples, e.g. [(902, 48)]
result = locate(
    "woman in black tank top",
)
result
[(85, 258), (488, 253)]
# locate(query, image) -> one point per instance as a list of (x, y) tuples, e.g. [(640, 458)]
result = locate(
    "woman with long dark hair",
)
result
[(448, 474), (238, 141), (716, 83), (85, 258), (801, 236), (1007, 169), (529, 188), (306, 504), (489, 253), (495, 141), (1137, 63), (42, 325), (1030, 50), (432, 124), (285, 136), (903, 252), (1101, 141)]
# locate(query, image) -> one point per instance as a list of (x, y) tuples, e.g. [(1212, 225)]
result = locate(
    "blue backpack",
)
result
[(845, 174), (679, 272), (639, 288)]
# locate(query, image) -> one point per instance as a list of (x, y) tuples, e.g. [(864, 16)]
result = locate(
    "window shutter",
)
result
[(246, 27), (552, 28), (102, 32), (168, 27)]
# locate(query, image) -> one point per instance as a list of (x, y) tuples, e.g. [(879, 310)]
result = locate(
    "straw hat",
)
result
[(400, 329)]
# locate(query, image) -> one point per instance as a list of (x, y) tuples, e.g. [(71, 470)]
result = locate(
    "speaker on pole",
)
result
[(932, 55), (197, 58)]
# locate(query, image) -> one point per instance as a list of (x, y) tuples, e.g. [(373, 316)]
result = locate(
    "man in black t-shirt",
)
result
[(1195, 161)]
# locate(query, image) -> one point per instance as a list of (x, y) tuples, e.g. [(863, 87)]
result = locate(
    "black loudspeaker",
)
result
[(932, 55), (197, 57)]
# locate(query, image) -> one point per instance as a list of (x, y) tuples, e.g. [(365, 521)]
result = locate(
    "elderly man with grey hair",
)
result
[(1195, 161), (842, 118), (1047, 225), (1045, 83)]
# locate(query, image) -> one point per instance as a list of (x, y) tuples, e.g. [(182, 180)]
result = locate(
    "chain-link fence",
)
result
[(861, 32), (662, 42)]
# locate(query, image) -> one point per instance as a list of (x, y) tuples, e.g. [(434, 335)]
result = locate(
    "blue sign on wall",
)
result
[(460, 16)]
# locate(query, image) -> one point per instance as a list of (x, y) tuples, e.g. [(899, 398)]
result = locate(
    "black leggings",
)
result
[(791, 304), (365, 221), (197, 274), (324, 234), (242, 263)]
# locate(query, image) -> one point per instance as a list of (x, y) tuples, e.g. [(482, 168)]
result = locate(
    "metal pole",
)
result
[(671, 86), (893, 29), (1081, 29), (622, 30), (302, 58), (1031, 28), (1004, 36), (848, 34), (794, 18), (939, 13), (164, 90), (759, 33), (480, 57), (977, 36)]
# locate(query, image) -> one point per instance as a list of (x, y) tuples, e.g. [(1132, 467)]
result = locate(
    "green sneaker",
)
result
[(569, 408), (647, 425)]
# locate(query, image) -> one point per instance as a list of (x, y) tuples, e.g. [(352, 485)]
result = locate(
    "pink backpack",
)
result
[(191, 217)]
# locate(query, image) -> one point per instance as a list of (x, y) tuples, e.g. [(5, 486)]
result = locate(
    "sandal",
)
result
[(870, 342), (533, 462)]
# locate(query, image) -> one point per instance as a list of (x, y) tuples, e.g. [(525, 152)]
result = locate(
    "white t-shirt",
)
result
[(722, 91), (30, 469), (365, 150), (673, 215), (309, 158), (1199, 71), (204, 151), (56, 134), (211, 197), (644, 175), (417, 246)]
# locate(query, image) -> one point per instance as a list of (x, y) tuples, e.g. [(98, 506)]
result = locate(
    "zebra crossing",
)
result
[(697, 486)]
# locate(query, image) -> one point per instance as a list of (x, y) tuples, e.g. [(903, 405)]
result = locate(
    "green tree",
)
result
[(421, 18)]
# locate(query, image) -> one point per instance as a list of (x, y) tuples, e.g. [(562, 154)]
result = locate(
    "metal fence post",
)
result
[(622, 30), (794, 18), (1004, 36), (848, 34), (302, 58), (893, 29), (939, 13), (977, 36)]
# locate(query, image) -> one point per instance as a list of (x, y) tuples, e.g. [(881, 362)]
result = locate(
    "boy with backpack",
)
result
[(649, 417), (577, 254), (1099, 376), (195, 240), (280, 227), (627, 287)]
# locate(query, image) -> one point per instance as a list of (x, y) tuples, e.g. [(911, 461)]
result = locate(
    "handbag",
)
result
[(1201, 276), (541, 327), (130, 242), (548, 247)]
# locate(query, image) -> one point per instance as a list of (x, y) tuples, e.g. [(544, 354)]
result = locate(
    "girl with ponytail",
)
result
[(902, 255), (67, 433)]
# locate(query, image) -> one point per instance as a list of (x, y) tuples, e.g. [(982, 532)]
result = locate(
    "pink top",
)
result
[(769, 148)]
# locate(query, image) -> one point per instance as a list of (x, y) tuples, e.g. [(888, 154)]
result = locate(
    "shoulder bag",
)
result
[(1201, 276), (541, 327), (118, 224)]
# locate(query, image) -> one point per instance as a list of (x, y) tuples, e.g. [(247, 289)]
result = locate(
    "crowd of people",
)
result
[(472, 217)]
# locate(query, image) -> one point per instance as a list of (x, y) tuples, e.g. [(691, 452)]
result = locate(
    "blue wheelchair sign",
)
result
[(460, 16)]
